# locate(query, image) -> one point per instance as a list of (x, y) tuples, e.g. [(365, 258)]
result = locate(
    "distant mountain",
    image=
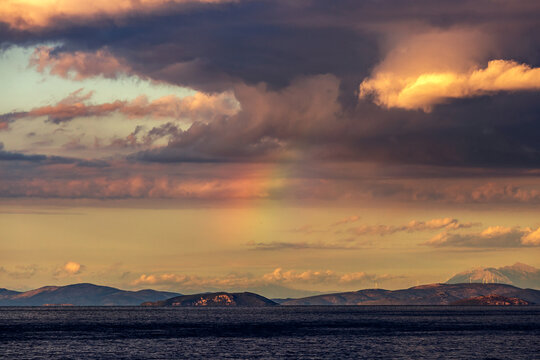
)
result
[(218, 299), (434, 294), (5, 293), (520, 275), (491, 300), (80, 295)]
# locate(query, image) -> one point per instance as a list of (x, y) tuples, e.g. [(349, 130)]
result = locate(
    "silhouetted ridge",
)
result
[(81, 295), (432, 294)]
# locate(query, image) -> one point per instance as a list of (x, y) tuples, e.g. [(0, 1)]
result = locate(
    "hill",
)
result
[(218, 299), (434, 294), (5, 293), (80, 295)]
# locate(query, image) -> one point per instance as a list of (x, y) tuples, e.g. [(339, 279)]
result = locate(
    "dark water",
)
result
[(281, 332)]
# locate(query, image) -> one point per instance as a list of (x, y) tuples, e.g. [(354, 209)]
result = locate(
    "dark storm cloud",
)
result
[(271, 41), (211, 46), (311, 56), (490, 132)]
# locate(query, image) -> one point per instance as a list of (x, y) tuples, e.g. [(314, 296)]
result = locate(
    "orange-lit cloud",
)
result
[(532, 238), (466, 192), (78, 65), (72, 267), (278, 276), (69, 269), (314, 277), (26, 14), (144, 187), (200, 106), (353, 243), (430, 66), (347, 220), (412, 226), (427, 89), (504, 193), (493, 236)]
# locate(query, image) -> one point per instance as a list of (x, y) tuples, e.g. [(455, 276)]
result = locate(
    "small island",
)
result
[(218, 299), (492, 300)]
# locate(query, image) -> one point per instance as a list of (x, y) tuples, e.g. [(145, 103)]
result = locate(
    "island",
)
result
[(217, 299), (492, 300)]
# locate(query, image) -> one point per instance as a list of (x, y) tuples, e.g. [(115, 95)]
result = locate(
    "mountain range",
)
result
[(433, 294), (81, 295), (520, 275), (94, 295), (507, 281)]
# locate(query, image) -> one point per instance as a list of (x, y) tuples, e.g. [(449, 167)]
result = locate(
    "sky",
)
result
[(287, 147)]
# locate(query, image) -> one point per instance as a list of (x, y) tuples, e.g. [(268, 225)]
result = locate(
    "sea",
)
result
[(281, 332)]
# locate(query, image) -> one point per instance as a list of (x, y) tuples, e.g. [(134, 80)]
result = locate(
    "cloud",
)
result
[(20, 272), (268, 122), (272, 41), (70, 268), (28, 175), (293, 69), (447, 224), (277, 276), (425, 66), (347, 220), (48, 177), (28, 14), (491, 237), (412, 226), (47, 160), (532, 238), (491, 192), (193, 281), (434, 224), (174, 44), (325, 277), (467, 191), (200, 106), (138, 187), (302, 245), (78, 65), (427, 89)]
